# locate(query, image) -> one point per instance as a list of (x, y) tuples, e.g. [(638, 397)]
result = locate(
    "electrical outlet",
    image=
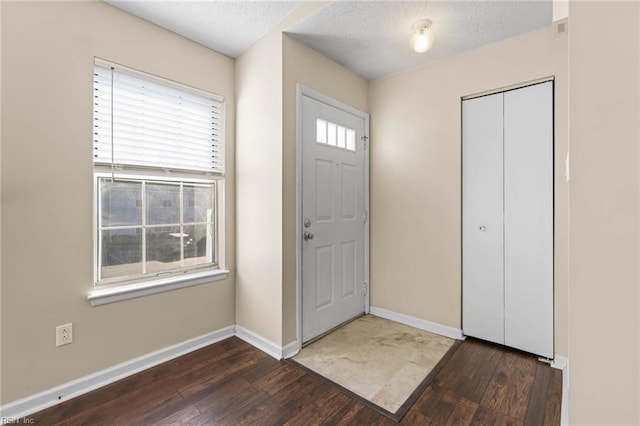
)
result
[(64, 334)]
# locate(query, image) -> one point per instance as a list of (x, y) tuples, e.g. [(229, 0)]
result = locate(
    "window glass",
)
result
[(321, 131), (163, 248), (121, 203), (332, 134), (121, 252), (335, 135), (341, 137), (170, 228), (197, 246), (351, 140), (162, 203), (197, 203)]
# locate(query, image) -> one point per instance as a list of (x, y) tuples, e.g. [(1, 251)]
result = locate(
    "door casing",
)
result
[(301, 91)]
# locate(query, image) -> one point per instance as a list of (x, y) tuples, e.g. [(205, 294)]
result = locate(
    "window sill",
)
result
[(103, 296)]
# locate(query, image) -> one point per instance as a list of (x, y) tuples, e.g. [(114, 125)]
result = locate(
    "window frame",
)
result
[(149, 277)]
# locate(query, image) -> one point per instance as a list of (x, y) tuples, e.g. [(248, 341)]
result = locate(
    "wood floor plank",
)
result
[(228, 414), (487, 417), (220, 371), (519, 387), (264, 413), (151, 410), (223, 396), (301, 392), (180, 417), (348, 417), (537, 403), (201, 360), (368, 416), (232, 383), (440, 406), (338, 406), (496, 394), (333, 408), (427, 400), (309, 415), (260, 369), (463, 412), (553, 406), (474, 364), (415, 417), (275, 381)]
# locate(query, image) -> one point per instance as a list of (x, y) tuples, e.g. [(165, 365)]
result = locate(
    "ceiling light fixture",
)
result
[(422, 37)]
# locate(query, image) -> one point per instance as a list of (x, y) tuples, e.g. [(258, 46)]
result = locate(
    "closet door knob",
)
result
[(483, 228)]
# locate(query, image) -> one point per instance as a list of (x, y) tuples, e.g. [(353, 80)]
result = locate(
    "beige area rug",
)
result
[(382, 361)]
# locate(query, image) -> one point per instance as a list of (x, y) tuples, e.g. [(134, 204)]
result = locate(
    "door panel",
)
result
[(349, 268), (528, 239), (333, 197), (348, 191), (324, 190), (324, 276), (482, 226)]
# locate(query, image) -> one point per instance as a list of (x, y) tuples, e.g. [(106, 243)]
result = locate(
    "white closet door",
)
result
[(528, 218), (482, 227)]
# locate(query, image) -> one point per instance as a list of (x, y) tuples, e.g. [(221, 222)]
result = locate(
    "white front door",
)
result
[(333, 217)]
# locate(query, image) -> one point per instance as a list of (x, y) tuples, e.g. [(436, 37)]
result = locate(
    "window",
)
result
[(158, 161), (150, 227), (328, 133)]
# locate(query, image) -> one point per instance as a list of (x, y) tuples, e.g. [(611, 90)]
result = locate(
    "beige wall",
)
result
[(263, 243), (259, 179), (309, 68), (604, 302), (416, 172), (47, 249)]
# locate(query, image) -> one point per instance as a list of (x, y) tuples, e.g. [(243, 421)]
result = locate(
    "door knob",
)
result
[(483, 228), (307, 235)]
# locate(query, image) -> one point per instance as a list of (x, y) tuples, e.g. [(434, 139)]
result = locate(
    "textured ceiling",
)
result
[(228, 27), (372, 37)]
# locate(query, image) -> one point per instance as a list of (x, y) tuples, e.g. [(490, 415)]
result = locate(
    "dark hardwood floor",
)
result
[(233, 383)]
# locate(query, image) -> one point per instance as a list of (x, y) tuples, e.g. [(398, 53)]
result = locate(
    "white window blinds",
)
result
[(141, 123)]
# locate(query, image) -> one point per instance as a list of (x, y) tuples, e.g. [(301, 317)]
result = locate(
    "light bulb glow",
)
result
[(422, 37)]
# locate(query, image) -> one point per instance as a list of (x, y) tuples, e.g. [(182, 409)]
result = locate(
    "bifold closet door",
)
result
[(482, 218), (507, 218), (528, 219)]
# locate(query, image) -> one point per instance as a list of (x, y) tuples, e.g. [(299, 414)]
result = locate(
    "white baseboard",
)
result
[(562, 363), (559, 362), (37, 402), (290, 350), (432, 327), (259, 342)]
